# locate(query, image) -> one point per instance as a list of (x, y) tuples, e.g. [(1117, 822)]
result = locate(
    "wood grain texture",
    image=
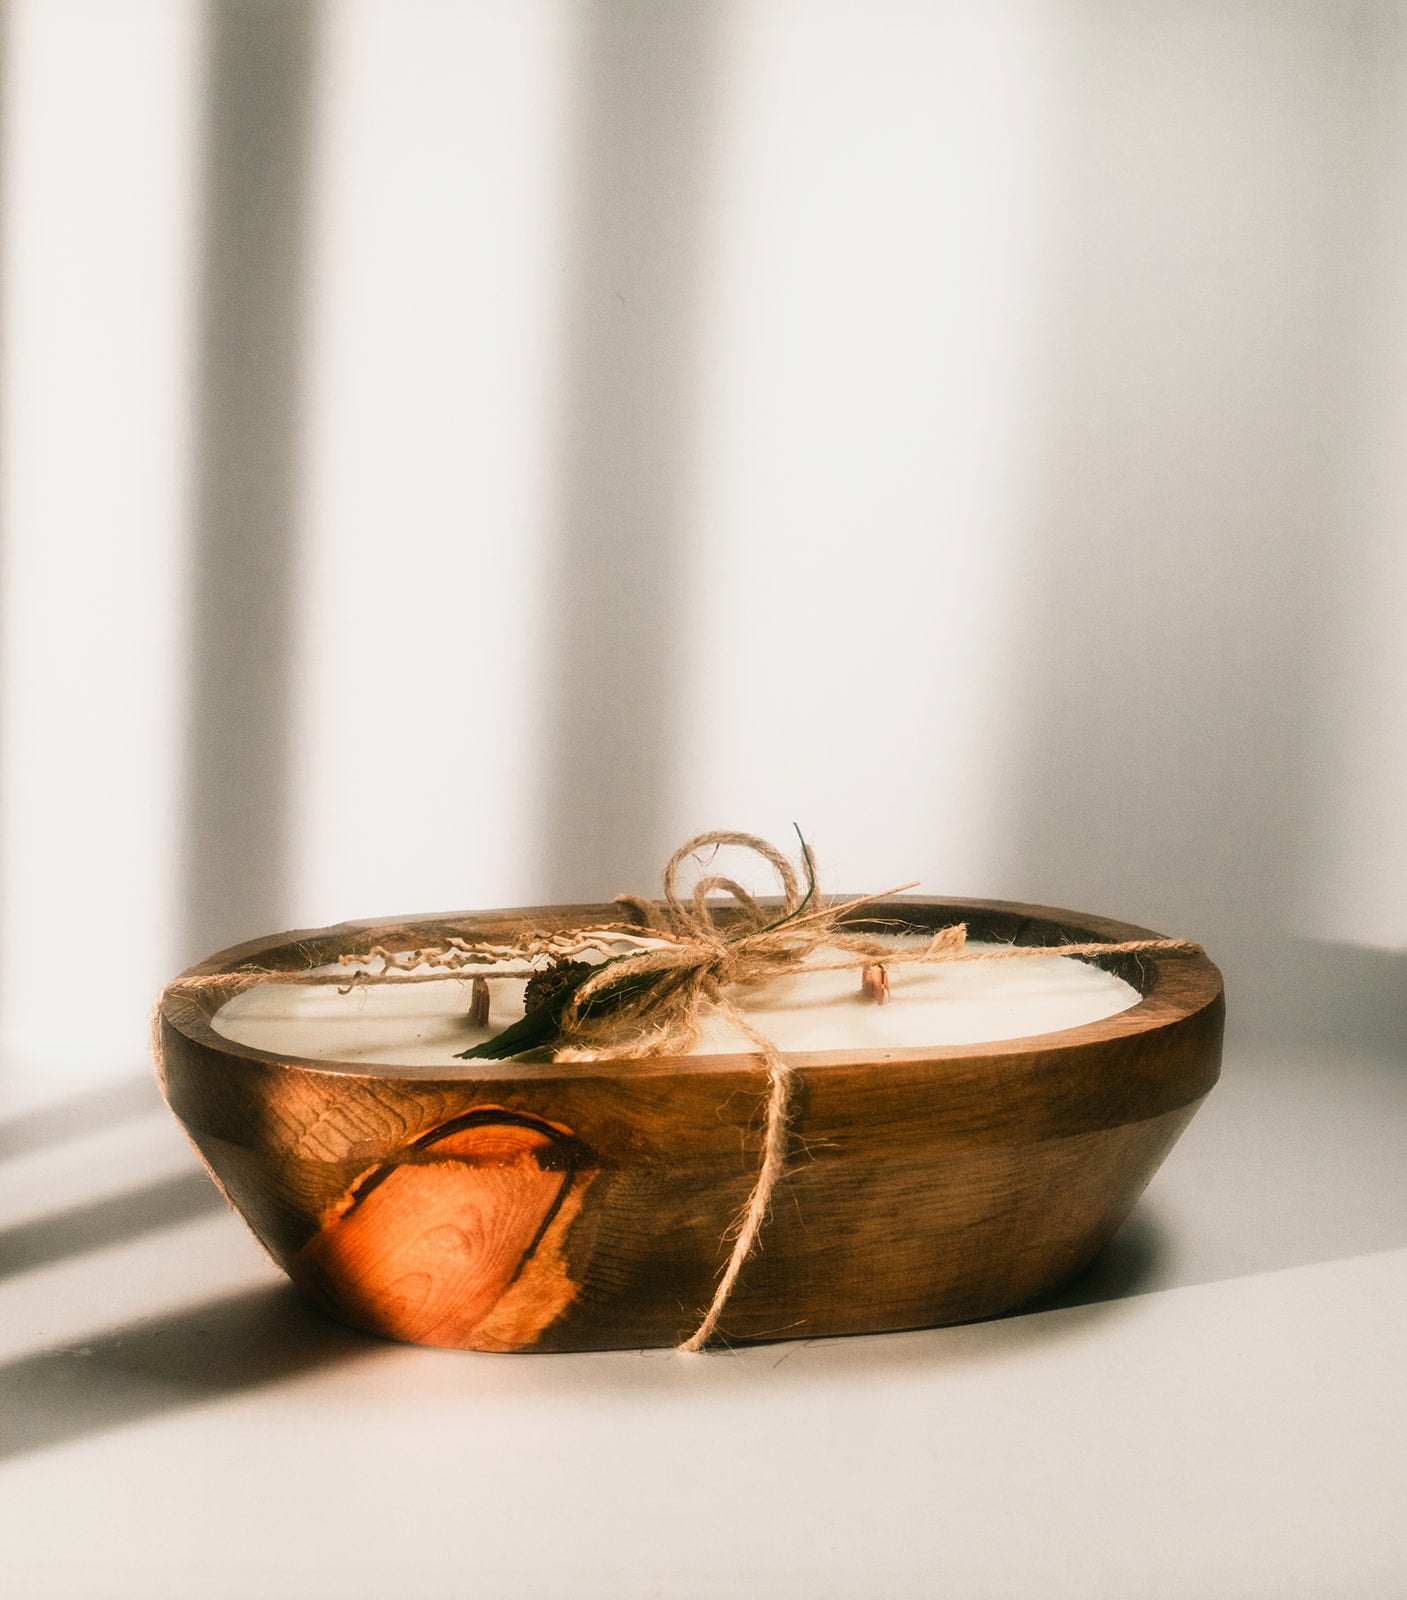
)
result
[(514, 1206)]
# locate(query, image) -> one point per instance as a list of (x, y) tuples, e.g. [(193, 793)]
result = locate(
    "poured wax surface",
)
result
[(424, 1024)]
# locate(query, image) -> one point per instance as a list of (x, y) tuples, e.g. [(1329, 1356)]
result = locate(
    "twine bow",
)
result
[(651, 1001)]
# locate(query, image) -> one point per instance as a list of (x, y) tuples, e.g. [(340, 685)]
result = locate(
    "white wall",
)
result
[(98, 128), (449, 451)]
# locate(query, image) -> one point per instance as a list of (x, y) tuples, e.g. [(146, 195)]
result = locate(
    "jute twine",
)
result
[(681, 960)]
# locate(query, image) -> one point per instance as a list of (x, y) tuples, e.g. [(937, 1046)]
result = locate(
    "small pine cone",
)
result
[(547, 984)]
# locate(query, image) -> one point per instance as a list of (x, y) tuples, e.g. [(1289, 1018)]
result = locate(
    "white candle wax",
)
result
[(424, 1024)]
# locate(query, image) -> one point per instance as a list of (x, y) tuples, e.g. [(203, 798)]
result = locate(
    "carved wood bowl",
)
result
[(515, 1206)]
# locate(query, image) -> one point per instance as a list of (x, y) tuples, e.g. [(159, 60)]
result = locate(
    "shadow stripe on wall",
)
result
[(632, 339), (260, 88)]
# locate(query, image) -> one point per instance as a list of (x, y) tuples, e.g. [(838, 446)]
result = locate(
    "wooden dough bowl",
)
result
[(516, 1206)]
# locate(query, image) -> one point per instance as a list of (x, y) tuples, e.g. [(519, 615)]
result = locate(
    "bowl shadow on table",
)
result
[(1180, 1234), (267, 1336), (1133, 1262)]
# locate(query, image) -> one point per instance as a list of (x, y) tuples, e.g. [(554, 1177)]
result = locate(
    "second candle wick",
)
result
[(874, 983)]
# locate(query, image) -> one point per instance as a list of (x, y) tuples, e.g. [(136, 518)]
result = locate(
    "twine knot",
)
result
[(721, 937)]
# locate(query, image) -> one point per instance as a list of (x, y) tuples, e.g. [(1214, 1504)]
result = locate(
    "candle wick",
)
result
[(479, 1003), (874, 984)]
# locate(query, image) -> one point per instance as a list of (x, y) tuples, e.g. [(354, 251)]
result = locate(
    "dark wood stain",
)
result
[(923, 1186)]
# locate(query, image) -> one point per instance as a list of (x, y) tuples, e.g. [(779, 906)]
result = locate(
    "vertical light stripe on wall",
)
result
[(437, 287), (97, 273), (874, 348)]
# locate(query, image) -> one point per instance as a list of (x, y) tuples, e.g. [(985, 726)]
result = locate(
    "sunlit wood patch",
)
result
[(456, 1242)]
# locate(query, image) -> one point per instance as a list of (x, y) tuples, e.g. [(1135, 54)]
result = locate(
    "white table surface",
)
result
[(1218, 1410)]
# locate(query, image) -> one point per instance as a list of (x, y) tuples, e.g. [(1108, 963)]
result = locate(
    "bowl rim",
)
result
[(1174, 986)]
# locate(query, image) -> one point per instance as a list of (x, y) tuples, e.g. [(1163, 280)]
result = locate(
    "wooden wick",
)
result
[(874, 984), (479, 1003)]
